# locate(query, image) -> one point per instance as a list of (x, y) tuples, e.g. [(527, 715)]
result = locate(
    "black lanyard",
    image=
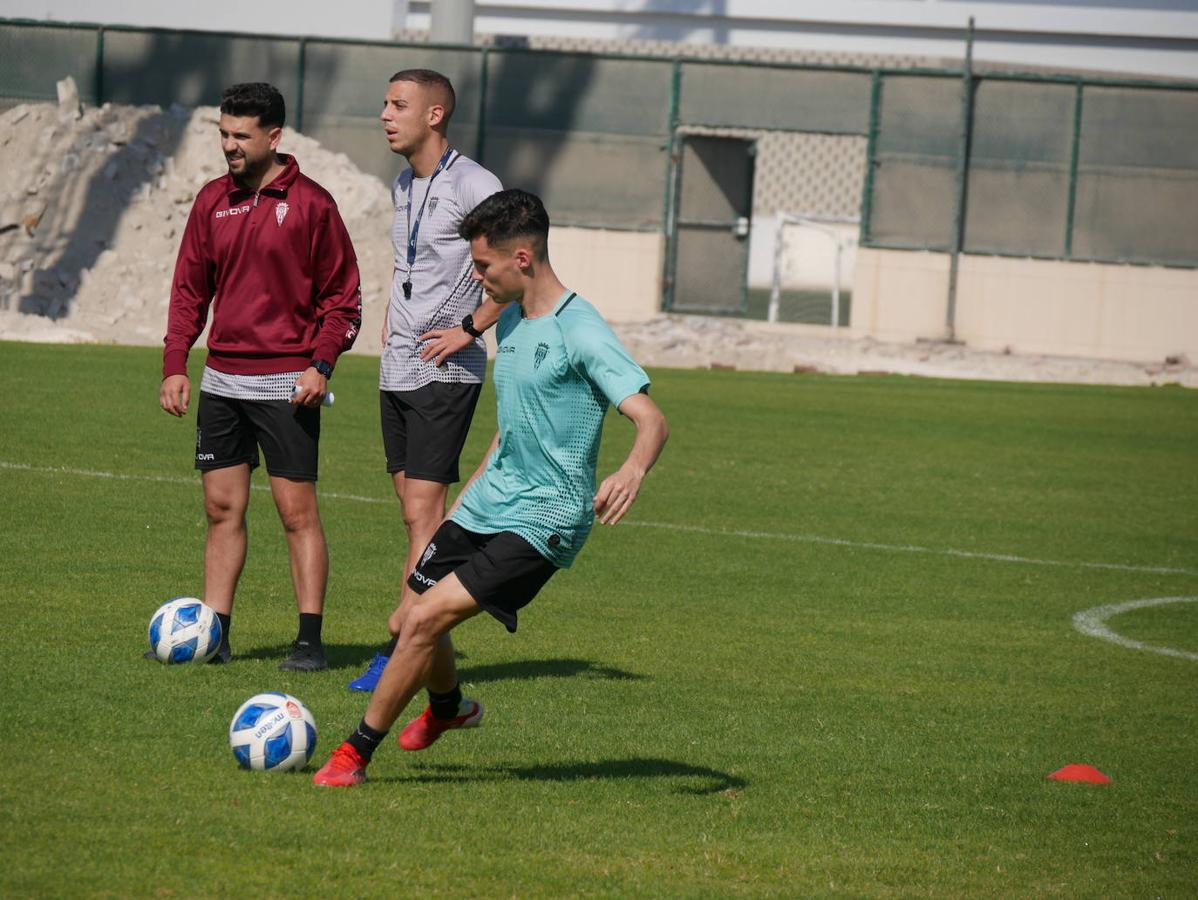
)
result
[(414, 230)]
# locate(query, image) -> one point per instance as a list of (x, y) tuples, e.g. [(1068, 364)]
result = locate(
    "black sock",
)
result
[(365, 740), (445, 706), (226, 622), (389, 647), (309, 629)]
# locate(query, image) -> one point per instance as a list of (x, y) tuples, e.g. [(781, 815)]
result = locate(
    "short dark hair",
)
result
[(506, 216), (255, 98), (427, 78)]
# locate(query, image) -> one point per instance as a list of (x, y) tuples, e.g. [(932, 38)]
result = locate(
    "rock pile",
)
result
[(93, 206)]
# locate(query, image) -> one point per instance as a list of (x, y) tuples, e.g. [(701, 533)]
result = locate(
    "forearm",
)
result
[(651, 436), (185, 322)]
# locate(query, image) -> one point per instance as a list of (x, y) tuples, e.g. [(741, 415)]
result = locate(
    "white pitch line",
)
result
[(691, 529), (910, 548), (1093, 623), (161, 479)]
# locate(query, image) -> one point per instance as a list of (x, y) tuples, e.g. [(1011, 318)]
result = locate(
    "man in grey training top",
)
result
[(434, 359)]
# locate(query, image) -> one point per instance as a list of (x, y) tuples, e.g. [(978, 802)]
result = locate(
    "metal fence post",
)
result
[(673, 164), (1073, 156), (962, 183), (302, 63), (100, 66), (480, 140), (871, 149)]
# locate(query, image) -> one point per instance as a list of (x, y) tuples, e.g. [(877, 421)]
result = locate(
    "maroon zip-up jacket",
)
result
[(279, 271)]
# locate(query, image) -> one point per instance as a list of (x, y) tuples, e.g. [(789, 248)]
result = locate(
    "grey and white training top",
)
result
[(442, 289)]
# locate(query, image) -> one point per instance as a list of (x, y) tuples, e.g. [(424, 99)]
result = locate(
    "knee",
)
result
[(422, 625), (223, 511), (395, 623), (298, 520), (417, 519)]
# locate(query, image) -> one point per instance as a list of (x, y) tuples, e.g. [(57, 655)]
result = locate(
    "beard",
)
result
[(244, 168)]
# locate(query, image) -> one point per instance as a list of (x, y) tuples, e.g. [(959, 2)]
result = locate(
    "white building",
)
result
[(1142, 37)]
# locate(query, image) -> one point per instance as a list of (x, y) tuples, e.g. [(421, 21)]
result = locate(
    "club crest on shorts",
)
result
[(542, 352), (281, 211), (429, 552)]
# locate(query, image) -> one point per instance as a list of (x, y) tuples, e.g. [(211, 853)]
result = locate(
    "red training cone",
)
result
[(1079, 772)]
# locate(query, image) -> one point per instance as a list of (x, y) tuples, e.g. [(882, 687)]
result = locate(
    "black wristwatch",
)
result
[(324, 368), (468, 326)]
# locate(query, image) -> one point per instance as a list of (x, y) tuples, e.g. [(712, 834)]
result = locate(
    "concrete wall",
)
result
[(618, 271), (1134, 313), (1148, 37), (371, 20)]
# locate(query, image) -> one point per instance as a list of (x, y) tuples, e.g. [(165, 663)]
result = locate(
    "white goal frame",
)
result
[(821, 224)]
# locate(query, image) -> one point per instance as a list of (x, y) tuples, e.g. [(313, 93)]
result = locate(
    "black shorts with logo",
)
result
[(230, 431), (501, 571), (424, 430)]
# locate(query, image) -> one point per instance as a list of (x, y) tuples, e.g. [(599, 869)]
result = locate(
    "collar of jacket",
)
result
[(277, 188)]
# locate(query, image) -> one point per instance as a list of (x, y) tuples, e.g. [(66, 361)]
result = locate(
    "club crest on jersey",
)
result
[(281, 211), (542, 352), (432, 206), (428, 554)]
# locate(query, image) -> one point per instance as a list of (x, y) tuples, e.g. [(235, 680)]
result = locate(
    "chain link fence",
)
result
[(1054, 166)]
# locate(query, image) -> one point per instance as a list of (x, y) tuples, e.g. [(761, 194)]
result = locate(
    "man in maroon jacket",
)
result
[(266, 248)]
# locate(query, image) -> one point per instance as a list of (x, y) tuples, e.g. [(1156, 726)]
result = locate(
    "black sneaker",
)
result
[(305, 657), (222, 655)]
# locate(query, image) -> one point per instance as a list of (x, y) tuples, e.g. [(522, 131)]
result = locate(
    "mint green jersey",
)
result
[(554, 378)]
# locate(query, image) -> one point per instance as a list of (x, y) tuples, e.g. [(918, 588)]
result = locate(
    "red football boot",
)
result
[(424, 730)]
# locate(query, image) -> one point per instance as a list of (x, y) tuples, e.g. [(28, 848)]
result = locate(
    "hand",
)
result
[(310, 388), (174, 394), (444, 344), (617, 494)]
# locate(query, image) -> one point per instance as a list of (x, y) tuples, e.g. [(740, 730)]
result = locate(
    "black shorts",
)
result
[(229, 432), (424, 430), (502, 571)]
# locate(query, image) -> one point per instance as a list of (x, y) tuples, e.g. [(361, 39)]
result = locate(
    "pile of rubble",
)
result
[(93, 206)]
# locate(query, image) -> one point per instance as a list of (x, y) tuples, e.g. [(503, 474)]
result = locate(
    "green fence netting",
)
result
[(1137, 176), (914, 163), (1068, 168)]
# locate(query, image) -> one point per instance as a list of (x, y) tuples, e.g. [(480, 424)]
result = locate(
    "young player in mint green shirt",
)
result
[(529, 507)]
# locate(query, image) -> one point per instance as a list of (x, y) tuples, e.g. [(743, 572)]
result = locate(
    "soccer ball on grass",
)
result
[(272, 732), (184, 630)]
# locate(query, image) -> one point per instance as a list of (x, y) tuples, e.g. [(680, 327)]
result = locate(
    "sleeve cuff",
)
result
[(174, 362)]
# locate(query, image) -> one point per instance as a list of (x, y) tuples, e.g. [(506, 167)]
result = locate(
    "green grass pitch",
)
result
[(831, 652)]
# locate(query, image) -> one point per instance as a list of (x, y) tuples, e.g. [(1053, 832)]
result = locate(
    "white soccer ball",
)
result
[(184, 630), (272, 732)]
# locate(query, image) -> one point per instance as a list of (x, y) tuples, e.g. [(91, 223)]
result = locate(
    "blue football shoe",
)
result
[(368, 680)]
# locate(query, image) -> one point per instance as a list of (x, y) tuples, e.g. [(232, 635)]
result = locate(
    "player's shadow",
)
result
[(698, 780), (354, 656), (532, 669), (340, 656)]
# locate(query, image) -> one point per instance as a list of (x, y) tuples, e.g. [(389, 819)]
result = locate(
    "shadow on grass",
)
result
[(710, 781), (340, 656), (529, 670), (355, 656)]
